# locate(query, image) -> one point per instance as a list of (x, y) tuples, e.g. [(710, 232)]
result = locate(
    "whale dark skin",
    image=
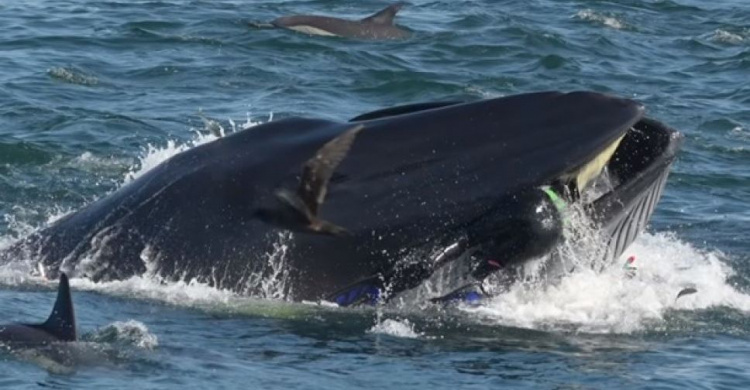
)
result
[(413, 181)]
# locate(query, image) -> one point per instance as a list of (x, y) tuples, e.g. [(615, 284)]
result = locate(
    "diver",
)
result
[(525, 225)]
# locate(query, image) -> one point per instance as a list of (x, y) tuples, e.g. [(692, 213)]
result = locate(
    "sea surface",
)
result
[(93, 93)]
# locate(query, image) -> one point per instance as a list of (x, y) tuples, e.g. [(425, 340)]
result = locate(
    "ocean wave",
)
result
[(601, 18), (553, 61), (127, 333), (174, 38), (740, 133), (724, 36), (73, 76), (95, 162), (22, 153)]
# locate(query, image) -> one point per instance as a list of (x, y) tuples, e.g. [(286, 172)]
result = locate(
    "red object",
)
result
[(631, 259)]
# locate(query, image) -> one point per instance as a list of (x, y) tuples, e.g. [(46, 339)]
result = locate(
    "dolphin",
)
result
[(378, 198), (378, 26), (59, 327)]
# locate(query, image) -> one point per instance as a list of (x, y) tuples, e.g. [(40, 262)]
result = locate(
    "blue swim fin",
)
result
[(471, 293), (364, 292)]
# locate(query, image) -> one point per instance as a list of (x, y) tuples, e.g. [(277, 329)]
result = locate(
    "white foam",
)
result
[(183, 293), (739, 133), (271, 282), (18, 227), (73, 76), (610, 302), (396, 328), (477, 90), (600, 18), (94, 162), (15, 225), (724, 36), (130, 332), (155, 155)]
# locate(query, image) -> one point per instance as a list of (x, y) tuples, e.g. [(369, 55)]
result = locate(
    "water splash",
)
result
[(272, 280), (211, 130), (590, 293), (149, 285), (584, 247), (105, 167), (73, 76), (191, 293), (16, 226), (397, 328), (739, 133), (128, 333), (600, 18), (724, 36), (608, 301)]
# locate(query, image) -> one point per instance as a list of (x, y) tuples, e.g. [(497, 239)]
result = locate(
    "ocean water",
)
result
[(94, 93)]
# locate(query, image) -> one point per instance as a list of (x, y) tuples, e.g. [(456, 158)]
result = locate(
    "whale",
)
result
[(378, 26), (60, 326), (358, 211)]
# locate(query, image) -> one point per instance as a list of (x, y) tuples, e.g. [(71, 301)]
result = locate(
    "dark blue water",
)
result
[(94, 92)]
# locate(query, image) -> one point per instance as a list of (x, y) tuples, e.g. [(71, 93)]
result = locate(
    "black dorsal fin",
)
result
[(386, 15), (62, 322)]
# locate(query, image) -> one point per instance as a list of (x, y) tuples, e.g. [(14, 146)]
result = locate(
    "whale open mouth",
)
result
[(647, 148), (622, 197), (594, 174), (617, 190)]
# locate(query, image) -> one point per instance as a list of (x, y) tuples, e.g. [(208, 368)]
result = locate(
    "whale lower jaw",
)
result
[(305, 29)]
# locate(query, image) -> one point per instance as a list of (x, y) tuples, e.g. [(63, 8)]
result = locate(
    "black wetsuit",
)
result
[(520, 227)]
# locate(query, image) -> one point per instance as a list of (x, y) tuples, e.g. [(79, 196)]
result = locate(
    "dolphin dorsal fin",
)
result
[(386, 15), (62, 322)]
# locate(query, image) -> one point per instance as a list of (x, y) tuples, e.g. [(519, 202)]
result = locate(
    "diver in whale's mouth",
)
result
[(522, 226), (525, 225), (519, 227), (532, 219), (531, 224)]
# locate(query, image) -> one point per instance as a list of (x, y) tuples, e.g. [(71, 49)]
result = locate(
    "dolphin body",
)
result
[(416, 179), (378, 26), (60, 326)]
